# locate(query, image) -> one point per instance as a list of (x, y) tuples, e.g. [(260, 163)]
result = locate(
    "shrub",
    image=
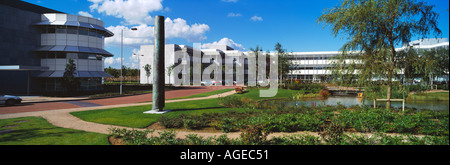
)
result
[(196, 122), (172, 122), (333, 133), (324, 93), (313, 88), (231, 101), (228, 124), (254, 135)]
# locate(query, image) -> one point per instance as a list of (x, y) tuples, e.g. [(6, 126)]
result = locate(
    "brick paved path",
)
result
[(33, 107)]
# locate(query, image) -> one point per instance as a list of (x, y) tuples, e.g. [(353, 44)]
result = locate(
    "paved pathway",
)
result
[(66, 104)]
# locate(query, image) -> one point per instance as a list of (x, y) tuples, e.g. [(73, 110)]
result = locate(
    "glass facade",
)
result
[(72, 30), (87, 84), (64, 55)]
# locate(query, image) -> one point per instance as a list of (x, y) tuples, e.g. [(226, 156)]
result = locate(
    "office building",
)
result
[(306, 66), (36, 43)]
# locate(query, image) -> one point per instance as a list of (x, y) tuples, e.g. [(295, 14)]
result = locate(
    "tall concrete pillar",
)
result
[(159, 66)]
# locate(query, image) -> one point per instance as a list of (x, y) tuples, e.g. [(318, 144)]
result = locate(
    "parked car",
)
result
[(9, 100), (209, 83)]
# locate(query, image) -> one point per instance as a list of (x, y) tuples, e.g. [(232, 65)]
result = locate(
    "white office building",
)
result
[(306, 66)]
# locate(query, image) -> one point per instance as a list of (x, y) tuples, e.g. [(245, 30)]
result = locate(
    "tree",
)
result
[(375, 28), (256, 52), (283, 62), (70, 82), (148, 71), (169, 70), (112, 71), (410, 64), (433, 62)]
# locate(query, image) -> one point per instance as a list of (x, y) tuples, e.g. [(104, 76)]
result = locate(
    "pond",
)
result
[(352, 100)]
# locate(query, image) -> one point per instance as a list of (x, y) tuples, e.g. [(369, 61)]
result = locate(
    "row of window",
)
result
[(62, 55), (302, 77), (72, 30), (86, 84), (308, 68), (310, 58)]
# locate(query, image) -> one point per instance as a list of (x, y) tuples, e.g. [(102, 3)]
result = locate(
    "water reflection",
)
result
[(349, 101)]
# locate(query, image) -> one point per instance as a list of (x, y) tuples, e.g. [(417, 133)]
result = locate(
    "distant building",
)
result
[(315, 66), (36, 43), (306, 66)]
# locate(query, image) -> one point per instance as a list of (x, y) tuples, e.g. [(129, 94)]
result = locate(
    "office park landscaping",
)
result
[(241, 119), (255, 119)]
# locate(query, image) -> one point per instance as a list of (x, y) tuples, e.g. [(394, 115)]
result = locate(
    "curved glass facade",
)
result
[(64, 37)]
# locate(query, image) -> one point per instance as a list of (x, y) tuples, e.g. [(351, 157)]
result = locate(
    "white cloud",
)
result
[(177, 28), (109, 61), (132, 11), (225, 41), (234, 1), (234, 14), (86, 14), (113, 62), (256, 18), (143, 35)]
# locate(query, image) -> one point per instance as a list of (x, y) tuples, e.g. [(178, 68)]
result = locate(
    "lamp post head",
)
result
[(133, 28)]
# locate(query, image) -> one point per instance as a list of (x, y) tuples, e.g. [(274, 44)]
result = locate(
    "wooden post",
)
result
[(403, 105), (398, 100)]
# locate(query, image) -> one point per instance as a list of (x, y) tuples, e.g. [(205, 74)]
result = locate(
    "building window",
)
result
[(83, 56), (72, 30), (61, 29), (99, 57), (44, 30), (92, 57), (92, 33), (72, 56), (51, 30), (60, 55), (83, 31), (99, 35)]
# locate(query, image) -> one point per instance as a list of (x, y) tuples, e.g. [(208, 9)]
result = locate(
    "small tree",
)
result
[(169, 70), (283, 62), (375, 28), (148, 71), (70, 82)]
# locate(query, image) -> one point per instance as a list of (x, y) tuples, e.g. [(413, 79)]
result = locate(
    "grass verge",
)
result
[(134, 116), (37, 131), (422, 96), (206, 94)]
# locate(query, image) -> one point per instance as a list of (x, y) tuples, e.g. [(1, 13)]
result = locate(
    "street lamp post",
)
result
[(139, 65), (121, 59)]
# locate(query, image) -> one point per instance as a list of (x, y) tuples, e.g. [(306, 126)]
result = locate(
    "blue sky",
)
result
[(242, 24)]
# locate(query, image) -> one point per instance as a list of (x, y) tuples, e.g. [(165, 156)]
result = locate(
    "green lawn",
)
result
[(438, 96), (135, 118), (253, 94), (206, 94), (37, 131)]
